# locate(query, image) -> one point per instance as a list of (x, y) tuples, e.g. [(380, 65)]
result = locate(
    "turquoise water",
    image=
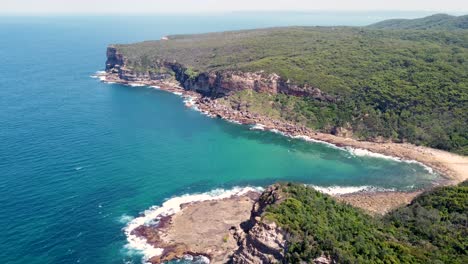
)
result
[(78, 155)]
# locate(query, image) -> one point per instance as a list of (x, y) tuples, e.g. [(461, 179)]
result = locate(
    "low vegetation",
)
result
[(432, 229)]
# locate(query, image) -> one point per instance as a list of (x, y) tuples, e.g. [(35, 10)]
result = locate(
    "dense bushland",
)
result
[(432, 229)]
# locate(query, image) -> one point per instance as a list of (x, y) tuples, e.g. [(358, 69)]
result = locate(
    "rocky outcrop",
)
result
[(115, 60), (259, 240), (263, 241), (213, 84)]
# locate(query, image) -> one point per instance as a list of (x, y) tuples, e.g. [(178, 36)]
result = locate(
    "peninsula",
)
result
[(292, 223)]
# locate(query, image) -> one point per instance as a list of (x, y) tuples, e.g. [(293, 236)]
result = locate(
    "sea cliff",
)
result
[(213, 84)]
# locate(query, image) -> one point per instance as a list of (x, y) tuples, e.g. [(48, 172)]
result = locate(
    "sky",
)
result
[(211, 6)]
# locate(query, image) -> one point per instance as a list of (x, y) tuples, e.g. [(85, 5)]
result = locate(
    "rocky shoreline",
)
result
[(205, 228), (225, 230), (232, 230), (454, 168)]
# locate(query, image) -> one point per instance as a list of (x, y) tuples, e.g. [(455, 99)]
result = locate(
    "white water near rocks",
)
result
[(339, 190), (152, 215), (139, 245)]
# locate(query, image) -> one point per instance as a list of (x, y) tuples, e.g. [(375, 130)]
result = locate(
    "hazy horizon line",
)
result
[(376, 11)]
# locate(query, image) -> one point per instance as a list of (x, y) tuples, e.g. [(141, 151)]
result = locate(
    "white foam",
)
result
[(177, 93), (124, 219), (309, 139), (136, 84), (190, 102), (427, 168), (366, 153), (101, 75), (170, 207), (258, 127), (339, 190), (155, 87), (230, 121), (354, 151)]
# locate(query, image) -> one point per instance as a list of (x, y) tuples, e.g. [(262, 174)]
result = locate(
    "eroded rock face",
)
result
[(115, 60), (261, 241), (213, 84)]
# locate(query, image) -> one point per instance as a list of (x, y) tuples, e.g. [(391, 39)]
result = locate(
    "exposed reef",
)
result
[(227, 230)]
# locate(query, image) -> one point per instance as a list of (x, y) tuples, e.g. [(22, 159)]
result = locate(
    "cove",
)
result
[(79, 158)]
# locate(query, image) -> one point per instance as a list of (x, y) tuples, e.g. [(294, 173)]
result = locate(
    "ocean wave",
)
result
[(135, 84), (152, 215), (101, 75), (124, 219), (257, 127), (339, 190), (309, 139), (306, 138), (357, 152), (189, 101), (366, 153), (197, 259)]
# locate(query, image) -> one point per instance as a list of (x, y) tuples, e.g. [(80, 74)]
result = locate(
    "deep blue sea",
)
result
[(79, 158)]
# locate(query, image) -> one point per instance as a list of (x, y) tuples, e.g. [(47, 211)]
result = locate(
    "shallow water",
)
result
[(80, 158)]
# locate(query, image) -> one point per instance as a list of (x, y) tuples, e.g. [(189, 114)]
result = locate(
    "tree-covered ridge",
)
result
[(402, 85), (433, 229), (437, 22)]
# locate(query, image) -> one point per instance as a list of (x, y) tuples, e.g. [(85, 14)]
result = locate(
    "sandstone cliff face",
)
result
[(214, 84), (115, 60), (261, 241)]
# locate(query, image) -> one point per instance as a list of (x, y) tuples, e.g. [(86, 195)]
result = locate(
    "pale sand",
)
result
[(452, 166)]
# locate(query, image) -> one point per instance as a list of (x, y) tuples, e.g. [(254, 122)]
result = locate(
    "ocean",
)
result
[(79, 159)]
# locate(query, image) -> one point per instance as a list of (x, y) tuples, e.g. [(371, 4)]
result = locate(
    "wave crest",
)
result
[(339, 190), (171, 206)]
